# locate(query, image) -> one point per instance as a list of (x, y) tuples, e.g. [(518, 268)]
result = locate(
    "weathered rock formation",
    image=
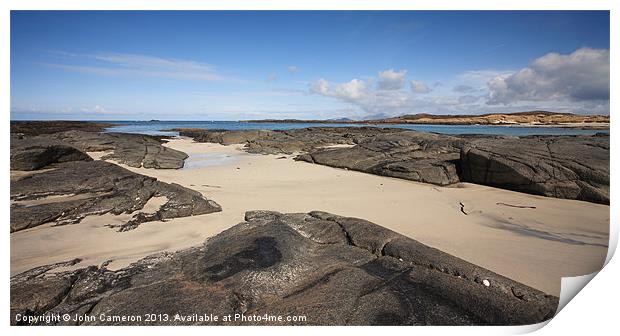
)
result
[(64, 184), (286, 141), (134, 150), (424, 157), (573, 167), (556, 166), (35, 153), (333, 270), (54, 126), (70, 191)]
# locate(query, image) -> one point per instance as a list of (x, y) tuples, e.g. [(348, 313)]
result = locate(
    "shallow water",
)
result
[(161, 127), (195, 161)]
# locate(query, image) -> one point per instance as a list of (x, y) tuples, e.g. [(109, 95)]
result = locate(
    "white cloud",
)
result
[(321, 87), (471, 95), (580, 76), (392, 80), (359, 93), (292, 69), (481, 77), (117, 64), (419, 87), (354, 90)]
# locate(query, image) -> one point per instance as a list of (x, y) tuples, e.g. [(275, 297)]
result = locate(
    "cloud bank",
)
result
[(577, 82), (580, 76), (392, 80)]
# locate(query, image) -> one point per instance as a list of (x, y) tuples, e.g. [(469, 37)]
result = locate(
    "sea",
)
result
[(164, 127)]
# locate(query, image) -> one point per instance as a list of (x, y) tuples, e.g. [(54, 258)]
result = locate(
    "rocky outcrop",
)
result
[(134, 150), (573, 167), (416, 156), (35, 153), (286, 141), (410, 155), (69, 191), (54, 126), (73, 186), (332, 270)]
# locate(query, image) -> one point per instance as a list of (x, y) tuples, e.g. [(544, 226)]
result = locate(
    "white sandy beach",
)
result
[(535, 246)]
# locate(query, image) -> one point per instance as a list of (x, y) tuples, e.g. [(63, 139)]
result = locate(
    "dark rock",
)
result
[(134, 150), (55, 126), (33, 154), (416, 156), (82, 188), (333, 270), (410, 155), (573, 167), (285, 141)]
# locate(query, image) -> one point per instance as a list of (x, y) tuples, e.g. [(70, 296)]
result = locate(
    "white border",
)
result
[(592, 311)]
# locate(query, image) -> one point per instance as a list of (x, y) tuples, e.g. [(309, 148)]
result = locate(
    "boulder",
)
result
[(410, 155), (327, 269), (573, 167), (134, 150), (33, 154)]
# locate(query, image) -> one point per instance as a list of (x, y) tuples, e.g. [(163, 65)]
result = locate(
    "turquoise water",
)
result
[(160, 127)]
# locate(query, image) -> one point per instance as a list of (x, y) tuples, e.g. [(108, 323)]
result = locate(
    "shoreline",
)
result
[(584, 126), (528, 245), (22, 126)]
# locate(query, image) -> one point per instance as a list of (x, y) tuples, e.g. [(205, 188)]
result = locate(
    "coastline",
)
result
[(528, 245), (576, 125)]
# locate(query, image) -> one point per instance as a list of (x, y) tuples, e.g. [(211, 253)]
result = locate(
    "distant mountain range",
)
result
[(517, 118)]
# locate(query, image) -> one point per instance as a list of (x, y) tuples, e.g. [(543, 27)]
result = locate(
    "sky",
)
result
[(227, 65)]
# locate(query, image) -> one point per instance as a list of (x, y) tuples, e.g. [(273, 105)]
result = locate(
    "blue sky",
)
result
[(114, 65)]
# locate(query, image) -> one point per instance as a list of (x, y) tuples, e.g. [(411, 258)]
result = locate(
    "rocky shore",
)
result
[(39, 127), (572, 167), (69, 191), (134, 150), (332, 270), (55, 181)]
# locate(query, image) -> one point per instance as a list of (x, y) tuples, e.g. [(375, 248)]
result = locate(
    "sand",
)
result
[(536, 244)]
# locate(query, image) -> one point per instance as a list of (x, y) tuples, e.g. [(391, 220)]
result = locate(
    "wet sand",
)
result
[(531, 239)]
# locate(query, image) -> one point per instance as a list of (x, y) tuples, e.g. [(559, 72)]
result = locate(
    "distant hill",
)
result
[(527, 117), (340, 119), (516, 118)]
